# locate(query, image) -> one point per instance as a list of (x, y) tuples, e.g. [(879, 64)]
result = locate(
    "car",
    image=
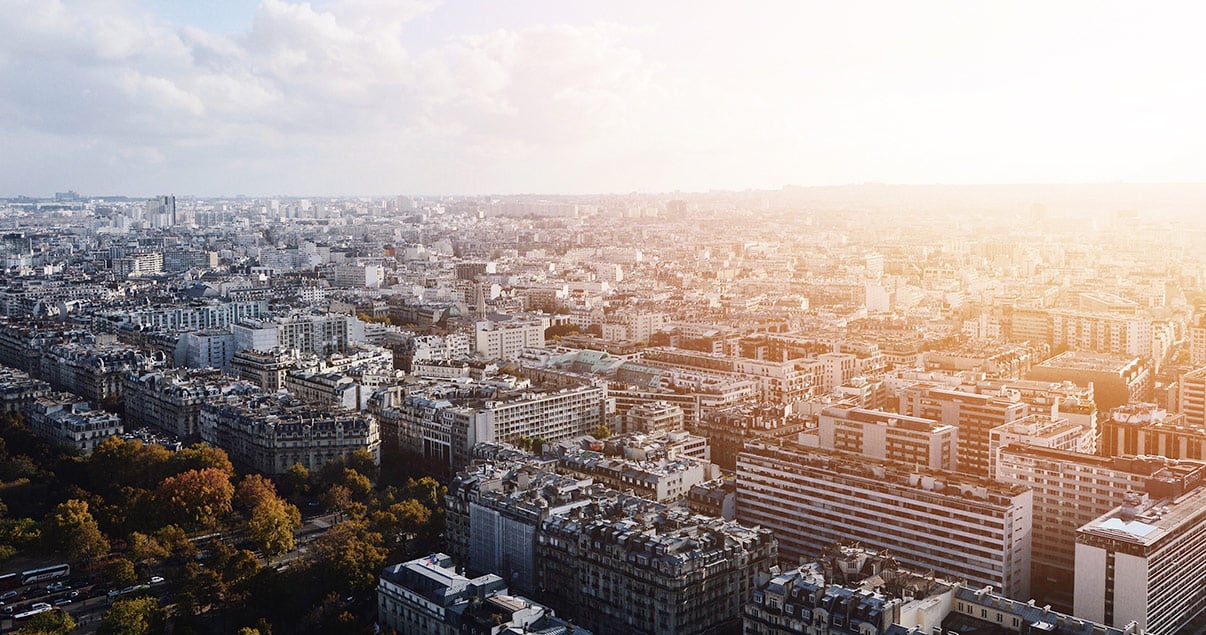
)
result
[(63, 600), (57, 586), (8, 595), (156, 579)]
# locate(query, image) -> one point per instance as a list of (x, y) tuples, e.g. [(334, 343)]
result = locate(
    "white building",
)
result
[(505, 340), (1145, 562)]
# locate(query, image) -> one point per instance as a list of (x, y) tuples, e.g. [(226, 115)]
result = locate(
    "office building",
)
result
[(505, 340), (1146, 429)]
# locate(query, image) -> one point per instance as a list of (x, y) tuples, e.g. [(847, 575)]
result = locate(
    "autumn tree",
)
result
[(71, 530), (196, 498), (271, 526), (253, 490), (135, 616), (199, 457), (116, 463), (146, 547), (351, 556), (428, 491), (400, 518), (357, 483)]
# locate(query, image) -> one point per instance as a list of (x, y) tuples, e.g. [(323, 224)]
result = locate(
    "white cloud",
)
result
[(391, 95)]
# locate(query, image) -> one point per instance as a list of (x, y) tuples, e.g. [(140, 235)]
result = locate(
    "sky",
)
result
[(378, 97)]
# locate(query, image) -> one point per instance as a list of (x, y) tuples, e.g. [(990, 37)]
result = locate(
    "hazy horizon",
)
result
[(355, 97)]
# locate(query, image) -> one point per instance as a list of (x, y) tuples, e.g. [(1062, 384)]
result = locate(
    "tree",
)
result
[(48, 623), (271, 526), (144, 547), (135, 616), (357, 483), (428, 491), (253, 490), (70, 529), (196, 498), (408, 516), (601, 432), (337, 497), (295, 481), (362, 461), (351, 556), (116, 463), (121, 572), (200, 456)]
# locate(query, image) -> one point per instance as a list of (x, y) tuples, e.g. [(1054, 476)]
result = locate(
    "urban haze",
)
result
[(471, 318)]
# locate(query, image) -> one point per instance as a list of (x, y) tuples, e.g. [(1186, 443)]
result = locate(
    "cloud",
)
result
[(325, 81)]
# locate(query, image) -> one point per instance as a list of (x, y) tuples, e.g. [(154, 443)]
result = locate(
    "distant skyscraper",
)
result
[(161, 211)]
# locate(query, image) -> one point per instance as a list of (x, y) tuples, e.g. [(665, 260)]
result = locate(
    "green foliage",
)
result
[(601, 432), (48, 623), (135, 616), (121, 573)]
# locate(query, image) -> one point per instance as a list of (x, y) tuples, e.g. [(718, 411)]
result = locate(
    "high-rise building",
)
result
[(161, 211), (959, 526), (887, 436), (974, 414), (1145, 561), (1071, 489)]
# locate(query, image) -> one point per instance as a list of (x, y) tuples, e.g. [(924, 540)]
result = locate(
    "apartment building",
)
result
[(171, 400), (66, 420), (886, 436), (656, 572), (959, 526), (973, 414), (270, 433), (1145, 561), (444, 430), (429, 595)]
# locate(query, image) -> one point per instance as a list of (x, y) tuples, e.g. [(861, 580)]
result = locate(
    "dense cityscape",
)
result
[(730, 412)]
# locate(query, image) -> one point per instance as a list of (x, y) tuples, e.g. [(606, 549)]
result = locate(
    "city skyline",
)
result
[(357, 97)]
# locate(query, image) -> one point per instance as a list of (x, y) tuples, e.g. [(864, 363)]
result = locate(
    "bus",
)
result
[(10, 581), (45, 573)]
